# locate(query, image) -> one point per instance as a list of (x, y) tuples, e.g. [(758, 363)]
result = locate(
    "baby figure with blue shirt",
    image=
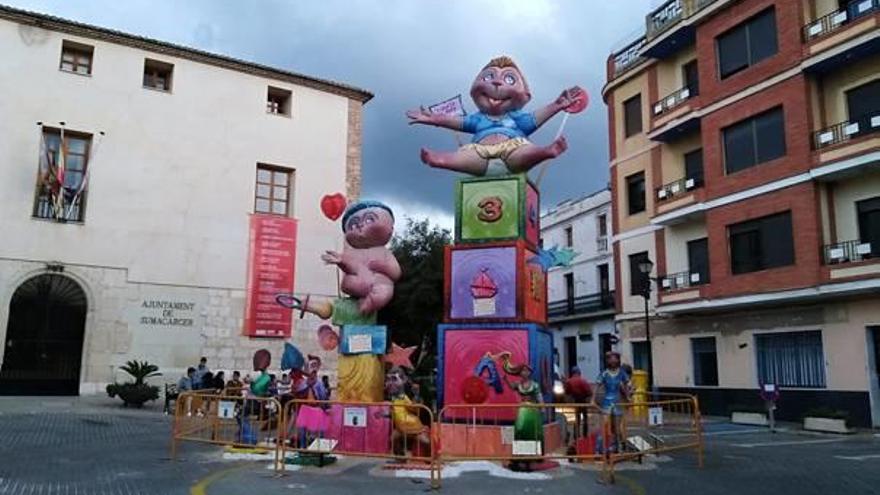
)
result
[(500, 144)]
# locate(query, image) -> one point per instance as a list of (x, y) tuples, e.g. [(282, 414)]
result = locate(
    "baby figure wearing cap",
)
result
[(369, 267)]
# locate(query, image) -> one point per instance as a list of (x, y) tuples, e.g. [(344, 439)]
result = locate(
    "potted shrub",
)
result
[(137, 392), (748, 415), (827, 420)]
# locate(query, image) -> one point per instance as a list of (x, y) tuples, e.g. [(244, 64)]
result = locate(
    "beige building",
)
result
[(744, 168), (177, 148)]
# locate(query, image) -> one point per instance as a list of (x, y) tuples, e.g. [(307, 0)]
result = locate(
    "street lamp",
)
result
[(645, 267)]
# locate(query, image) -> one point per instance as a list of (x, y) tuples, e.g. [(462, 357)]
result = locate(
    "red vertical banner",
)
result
[(271, 263)]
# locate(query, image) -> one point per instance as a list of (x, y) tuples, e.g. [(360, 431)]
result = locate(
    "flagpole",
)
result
[(93, 150), (59, 169)]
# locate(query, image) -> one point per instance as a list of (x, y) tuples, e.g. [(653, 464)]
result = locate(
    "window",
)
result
[(638, 281), (278, 101), (273, 190), (68, 202), (761, 243), (693, 167), (569, 290), (602, 225), (705, 359), (632, 116), (791, 359), (604, 284), (691, 78), (157, 75), (863, 106), (747, 44), (569, 236), (76, 57), (755, 140), (698, 261), (635, 193), (869, 223), (640, 352)]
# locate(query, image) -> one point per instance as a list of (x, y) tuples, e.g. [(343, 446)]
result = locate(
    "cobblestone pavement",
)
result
[(56, 447)]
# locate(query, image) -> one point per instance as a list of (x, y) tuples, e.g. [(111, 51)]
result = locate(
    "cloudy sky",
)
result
[(407, 52)]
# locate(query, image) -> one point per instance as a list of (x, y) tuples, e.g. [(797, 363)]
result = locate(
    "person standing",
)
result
[(200, 374), (580, 392)]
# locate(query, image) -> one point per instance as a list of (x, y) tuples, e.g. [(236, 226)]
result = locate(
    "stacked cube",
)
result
[(495, 291)]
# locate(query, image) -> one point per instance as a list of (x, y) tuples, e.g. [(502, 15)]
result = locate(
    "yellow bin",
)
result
[(640, 393)]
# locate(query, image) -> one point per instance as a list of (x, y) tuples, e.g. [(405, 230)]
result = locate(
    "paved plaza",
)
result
[(92, 446)]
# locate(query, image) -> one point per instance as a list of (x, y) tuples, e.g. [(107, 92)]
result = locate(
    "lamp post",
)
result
[(645, 267)]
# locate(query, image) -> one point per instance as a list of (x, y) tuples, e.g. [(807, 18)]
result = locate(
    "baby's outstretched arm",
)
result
[(562, 102), (424, 116), (334, 258)]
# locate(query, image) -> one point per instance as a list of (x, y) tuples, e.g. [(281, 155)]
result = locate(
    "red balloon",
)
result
[(333, 205), (581, 100), (474, 390)]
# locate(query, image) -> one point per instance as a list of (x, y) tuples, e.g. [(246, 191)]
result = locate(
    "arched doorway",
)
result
[(44, 337)]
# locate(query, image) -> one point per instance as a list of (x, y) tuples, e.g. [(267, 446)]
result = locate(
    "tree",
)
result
[(417, 307)]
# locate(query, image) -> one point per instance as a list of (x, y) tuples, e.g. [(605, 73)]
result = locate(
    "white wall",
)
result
[(588, 356), (172, 182), (582, 216), (171, 190)]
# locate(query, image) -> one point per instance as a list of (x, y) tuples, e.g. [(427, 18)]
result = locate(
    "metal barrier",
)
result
[(524, 433), (230, 420), (520, 434), (384, 430), (655, 423)]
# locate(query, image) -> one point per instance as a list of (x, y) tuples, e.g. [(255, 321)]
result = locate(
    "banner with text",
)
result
[(271, 264)]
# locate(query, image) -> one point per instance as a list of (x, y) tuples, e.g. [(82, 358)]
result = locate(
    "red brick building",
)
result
[(745, 165)]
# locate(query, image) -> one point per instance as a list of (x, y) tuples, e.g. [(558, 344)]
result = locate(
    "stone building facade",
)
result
[(178, 144)]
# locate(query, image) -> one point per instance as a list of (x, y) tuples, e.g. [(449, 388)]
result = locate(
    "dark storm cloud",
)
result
[(407, 52)]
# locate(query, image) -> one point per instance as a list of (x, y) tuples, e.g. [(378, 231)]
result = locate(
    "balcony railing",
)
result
[(678, 187), (664, 17), (844, 131), (602, 244), (682, 280), (833, 21), (671, 13), (673, 100), (849, 251), (629, 56), (581, 305), (45, 208)]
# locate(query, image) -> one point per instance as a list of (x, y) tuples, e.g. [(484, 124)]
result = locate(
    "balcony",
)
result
[(673, 100), (668, 28), (682, 280), (72, 211), (850, 252), (581, 306), (627, 57), (678, 188), (834, 21), (666, 16), (846, 131)]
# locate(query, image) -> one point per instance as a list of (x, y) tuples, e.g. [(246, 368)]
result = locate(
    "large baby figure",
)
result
[(501, 127), (369, 268)]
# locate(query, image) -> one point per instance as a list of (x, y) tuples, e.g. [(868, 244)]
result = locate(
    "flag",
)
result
[(452, 106)]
